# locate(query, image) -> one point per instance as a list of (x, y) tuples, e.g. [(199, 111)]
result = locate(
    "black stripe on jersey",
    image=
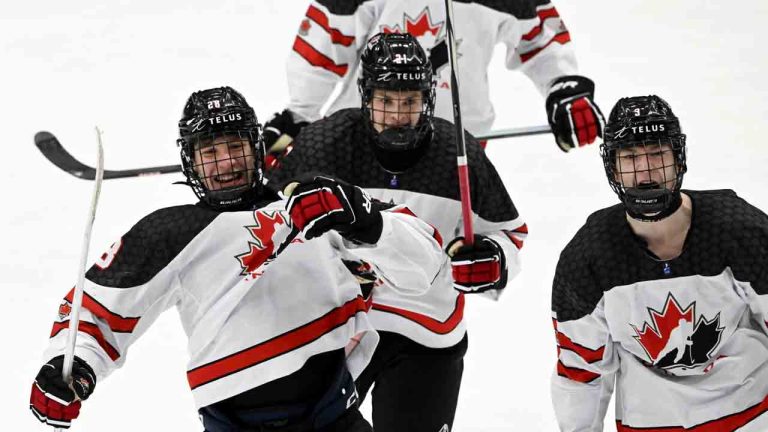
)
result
[(342, 7), (151, 244), (341, 145), (520, 9), (726, 232)]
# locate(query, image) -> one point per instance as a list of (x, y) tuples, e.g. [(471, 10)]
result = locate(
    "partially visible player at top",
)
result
[(333, 33), (664, 296), (275, 323)]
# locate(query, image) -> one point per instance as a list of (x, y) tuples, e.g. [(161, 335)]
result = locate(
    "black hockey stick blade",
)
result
[(52, 149)]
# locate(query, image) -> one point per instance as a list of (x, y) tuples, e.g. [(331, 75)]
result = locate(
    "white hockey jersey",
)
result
[(684, 341), (341, 145), (333, 34), (249, 320)]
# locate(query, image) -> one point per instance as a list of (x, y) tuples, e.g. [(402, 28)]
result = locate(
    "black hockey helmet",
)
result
[(222, 152), (397, 62), (649, 131)]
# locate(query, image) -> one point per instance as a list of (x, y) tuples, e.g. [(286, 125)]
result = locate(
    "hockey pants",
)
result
[(415, 388), (336, 411)]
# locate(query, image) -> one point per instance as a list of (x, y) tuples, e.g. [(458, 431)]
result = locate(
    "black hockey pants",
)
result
[(336, 411), (416, 388)]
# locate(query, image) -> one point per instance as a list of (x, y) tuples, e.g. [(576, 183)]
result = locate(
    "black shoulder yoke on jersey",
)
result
[(342, 7), (341, 145), (520, 9), (151, 244), (726, 231)]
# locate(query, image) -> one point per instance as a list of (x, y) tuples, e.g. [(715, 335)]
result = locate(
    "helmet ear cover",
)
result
[(645, 122), (215, 117), (397, 62)]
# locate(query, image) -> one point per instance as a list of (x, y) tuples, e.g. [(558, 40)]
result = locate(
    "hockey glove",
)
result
[(55, 402), (319, 204), (479, 267), (279, 133), (573, 115)]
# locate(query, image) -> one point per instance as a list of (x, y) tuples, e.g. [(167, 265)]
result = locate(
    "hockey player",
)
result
[(276, 325), (397, 151), (333, 33), (664, 295)]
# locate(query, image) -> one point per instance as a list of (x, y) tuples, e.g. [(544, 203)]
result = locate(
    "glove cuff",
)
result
[(568, 86)]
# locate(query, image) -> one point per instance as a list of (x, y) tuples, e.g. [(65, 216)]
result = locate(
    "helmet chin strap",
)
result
[(650, 203)]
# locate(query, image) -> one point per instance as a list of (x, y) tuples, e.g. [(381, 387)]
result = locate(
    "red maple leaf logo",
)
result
[(655, 337), (264, 244), (418, 27)]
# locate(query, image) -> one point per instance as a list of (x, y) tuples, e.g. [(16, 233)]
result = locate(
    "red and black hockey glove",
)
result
[(319, 204), (477, 268), (573, 115), (53, 401), (278, 134)]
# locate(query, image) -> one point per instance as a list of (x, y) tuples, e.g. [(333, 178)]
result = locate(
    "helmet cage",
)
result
[(655, 195), (221, 148)]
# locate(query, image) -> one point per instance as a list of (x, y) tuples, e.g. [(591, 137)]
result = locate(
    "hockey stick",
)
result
[(52, 149), (461, 146), (515, 132), (77, 297)]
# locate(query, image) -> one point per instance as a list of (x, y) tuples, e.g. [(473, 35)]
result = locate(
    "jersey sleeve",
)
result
[(495, 215), (538, 43), (125, 291), (750, 254), (583, 381), (408, 254), (326, 49)]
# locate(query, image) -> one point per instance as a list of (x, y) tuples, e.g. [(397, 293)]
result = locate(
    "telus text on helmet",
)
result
[(216, 120), (639, 129), (403, 76)]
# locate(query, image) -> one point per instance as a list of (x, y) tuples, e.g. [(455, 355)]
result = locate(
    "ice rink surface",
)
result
[(128, 67)]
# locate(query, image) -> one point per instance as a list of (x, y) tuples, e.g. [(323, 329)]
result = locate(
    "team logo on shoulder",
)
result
[(265, 234), (676, 338), (65, 308)]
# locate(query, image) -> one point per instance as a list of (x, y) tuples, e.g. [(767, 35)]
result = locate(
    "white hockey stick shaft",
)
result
[(77, 298)]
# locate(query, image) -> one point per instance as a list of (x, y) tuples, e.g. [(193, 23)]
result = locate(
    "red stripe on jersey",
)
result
[(316, 58), (518, 242), (431, 324), (725, 424), (276, 346), (91, 329), (405, 210), (576, 374), (543, 14), (337, 37), (561, 38), (116, 322), (589, 355)]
